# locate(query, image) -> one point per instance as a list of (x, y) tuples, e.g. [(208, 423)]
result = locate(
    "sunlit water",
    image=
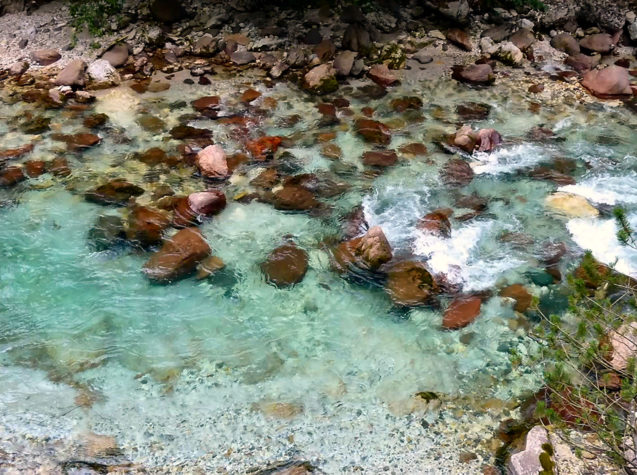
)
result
[(183, 375)]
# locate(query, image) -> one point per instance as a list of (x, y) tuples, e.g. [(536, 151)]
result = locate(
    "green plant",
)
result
[(587, 386), (94, 14)]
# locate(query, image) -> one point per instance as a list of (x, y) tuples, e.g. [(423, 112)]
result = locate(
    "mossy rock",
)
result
[(392, 54)]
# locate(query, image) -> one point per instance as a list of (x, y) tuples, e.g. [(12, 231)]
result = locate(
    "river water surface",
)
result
[(232, 373)]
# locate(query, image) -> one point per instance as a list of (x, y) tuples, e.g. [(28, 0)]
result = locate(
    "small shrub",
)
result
[(93, 15)]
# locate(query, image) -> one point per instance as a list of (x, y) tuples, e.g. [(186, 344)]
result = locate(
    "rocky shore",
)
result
[(340, 57)]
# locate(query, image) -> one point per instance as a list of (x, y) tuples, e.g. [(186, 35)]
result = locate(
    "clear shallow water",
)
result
[(192, 373)]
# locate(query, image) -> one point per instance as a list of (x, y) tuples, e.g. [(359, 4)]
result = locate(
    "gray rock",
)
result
[(45, 57), (356, 38), (358, 67), (632, 31), (18, 68), (565, 42), (527, 462), (423, 56), (242, 57), (117, 55), (102, 72), (523, 38), (72, 74), (344, 62), (509, 54), (23, 43), (457, 10), (205, 45)]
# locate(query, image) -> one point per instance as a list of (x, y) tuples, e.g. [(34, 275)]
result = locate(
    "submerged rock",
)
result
[(599, 43), (11, 176), (461, 312), (107, 232), (410, 284), (457, 172), (373, 131), (521, 296), (286, 265), (115, 192), (484, 140), (263, 148), (178, 257), (146, 226), (380, 158)]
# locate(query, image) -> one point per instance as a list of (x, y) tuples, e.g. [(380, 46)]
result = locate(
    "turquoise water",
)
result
[(190, 374)]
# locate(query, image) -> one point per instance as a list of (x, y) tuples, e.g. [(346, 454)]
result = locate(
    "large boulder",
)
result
[(168, 11), (72, 74), (461, 312), (320, 80), (146, 226), (410, 284), (101, 72), (117, 55), (565, 42), (481, 74), (45, 57), (286, 265), (178, 257), (356, 38), (344, 62), (608, 82), (212, 162), (522, 38), (373, 131), (460, 38), (367, 252), (599, 43)]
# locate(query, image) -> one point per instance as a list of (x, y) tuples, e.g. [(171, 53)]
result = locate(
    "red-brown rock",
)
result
[(178, 257), (263, 148), (461, 312), (294, 198), (212, 162), (207, 103), (250, 95), (460, 38), (521, 296), (35, 168), (115, 192), (608, 82), (368, 252), (146, 226), (16, 152), (373, 131), (437, 223), (410, 284), (457, 172), (474, 74), (381, 75), (285, 266), (380, 158), (11, 176)]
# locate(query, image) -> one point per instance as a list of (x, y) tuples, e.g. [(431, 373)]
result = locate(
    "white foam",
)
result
[(600, 237), (606, 189), (460, 258), (508, 160)]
